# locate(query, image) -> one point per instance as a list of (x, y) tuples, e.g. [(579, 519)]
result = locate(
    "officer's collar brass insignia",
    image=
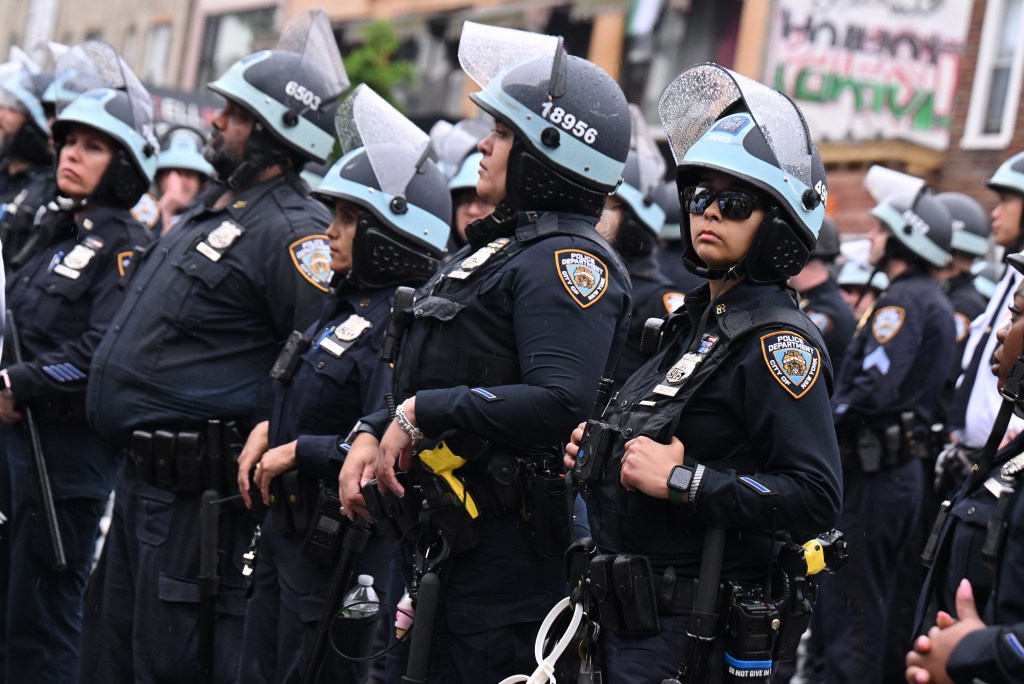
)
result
[(478, 259), (792, 360), (682, 369)]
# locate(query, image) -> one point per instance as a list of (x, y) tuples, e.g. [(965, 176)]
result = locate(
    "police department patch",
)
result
[(584, 276), (963, 326), (887, 322), (312, 258), (793, 361), (673, 300), (147, 210), (821, 320)]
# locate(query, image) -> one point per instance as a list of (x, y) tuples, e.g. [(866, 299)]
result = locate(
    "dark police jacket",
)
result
[(654, 296), (760, 424), (207, 312), (900, 360), (21, 196), (340, 379), (825, 307), (995, 655), (513, 351)]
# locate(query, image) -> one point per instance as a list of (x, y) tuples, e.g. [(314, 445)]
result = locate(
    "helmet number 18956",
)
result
[(569, 122)]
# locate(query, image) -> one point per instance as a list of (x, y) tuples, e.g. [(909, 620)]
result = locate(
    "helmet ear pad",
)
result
[(382, 259), (776, 253), (530, 185)]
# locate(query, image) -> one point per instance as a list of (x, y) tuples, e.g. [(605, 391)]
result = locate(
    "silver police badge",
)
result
[(352, 328), (224, 235), (683, 368), (79, 257)]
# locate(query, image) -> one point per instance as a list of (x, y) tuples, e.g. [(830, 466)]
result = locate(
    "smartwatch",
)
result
[(679, 484)]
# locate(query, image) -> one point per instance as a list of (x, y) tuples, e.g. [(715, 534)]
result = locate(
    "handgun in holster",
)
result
[(392, 516), (401, 315), (547, 505), (443, 462)]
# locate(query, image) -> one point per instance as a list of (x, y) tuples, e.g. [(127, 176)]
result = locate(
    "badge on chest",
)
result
[(478, 259), (78, 258), (219, 241), (336, 341), (682, 369)]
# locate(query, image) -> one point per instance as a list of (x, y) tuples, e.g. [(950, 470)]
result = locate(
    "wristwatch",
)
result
[(5, 384), (679, 484)]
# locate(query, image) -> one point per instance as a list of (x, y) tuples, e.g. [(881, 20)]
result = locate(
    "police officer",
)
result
[(26, 169), (181, 173), (976, 400), (339, 379), (670, 242), (503, 352), (725, 434), (859, 286), (63, 299), (885, 403), (819, 294), (631, 221), (971, 229), (982, 533), (460, 161), (187, 356)]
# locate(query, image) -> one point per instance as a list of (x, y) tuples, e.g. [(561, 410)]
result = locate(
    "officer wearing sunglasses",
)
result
[(728, 425)]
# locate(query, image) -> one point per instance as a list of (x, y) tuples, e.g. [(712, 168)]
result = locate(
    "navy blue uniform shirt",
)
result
[(654, 296), (825, 307), (207, 312), (21, 196), (760, 424), (65, 297), (886, 371)]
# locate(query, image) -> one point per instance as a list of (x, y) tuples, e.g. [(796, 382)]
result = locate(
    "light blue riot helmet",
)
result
[(313, 173), (667, 197), (569, 117), (454, 143), (919, 227), (125, 113), (468, 173), (856, 274), (1009, 177), (971, 226), (405, 207), (182, 148), (643, 217), (292, 92), (716, 119), (986, 278), (24, 90)]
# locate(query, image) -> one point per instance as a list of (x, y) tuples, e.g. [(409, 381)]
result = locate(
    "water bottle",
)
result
[(361, 601)]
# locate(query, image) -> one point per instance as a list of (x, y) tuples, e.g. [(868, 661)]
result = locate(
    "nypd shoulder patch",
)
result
[(147, 211), (673, 300), (792, 360), (312, 258), (887, 322), (821, 320), (584, 276), (963, 326)]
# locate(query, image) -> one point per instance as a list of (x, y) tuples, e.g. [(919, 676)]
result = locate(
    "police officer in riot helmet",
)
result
[(502, 354), (886, 400), (182, 172), (460, 161), (184, 368), (859, 286), (670, 242), (819, 294), (63, 298), (26, 169), (721, 444), (295, 457), (631, 221), (970, 242)]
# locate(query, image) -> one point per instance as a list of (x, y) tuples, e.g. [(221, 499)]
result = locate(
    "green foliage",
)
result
[(371, 63)]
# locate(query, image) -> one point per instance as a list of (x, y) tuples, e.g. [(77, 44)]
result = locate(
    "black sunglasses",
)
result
[(734, 204)]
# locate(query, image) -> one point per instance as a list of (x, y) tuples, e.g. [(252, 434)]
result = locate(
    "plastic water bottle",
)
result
[(361, 601)]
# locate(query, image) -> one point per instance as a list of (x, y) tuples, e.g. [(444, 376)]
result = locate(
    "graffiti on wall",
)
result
[(870, 69)]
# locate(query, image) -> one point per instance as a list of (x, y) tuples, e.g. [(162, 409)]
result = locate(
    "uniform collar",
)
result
[(743, 296), (96, 216)]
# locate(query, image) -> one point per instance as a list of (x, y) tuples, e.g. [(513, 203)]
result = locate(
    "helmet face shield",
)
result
[(717, 119), (642, 175), (454, 143)]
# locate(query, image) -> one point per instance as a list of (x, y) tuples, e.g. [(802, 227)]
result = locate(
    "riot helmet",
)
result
[(716, 119), (667, 197), (858, 275), (919, 227), (643, 217), (23, 90), (569, 118), (827, 246), (455, 143), (1009, 177), (405, 208), (292, 93), (123, 110), (971, 226), (182, 148)]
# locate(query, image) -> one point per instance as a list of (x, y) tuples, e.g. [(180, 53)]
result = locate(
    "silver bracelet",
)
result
[(698, 475), (415, 434)]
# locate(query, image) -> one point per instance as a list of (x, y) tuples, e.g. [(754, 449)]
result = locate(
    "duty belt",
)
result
[(188, 461)]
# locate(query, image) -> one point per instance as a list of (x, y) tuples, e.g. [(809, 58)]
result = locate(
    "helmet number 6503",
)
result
[(303, 95), (569, 122)]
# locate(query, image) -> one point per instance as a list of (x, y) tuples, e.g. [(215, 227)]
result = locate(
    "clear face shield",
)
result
[(309, 35), (650, 162), (453, 143), (485, 52)]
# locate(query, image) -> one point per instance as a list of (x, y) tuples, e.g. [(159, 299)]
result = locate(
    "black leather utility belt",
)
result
[(464, 480), (189, 461), (870, 446), (60, 408)]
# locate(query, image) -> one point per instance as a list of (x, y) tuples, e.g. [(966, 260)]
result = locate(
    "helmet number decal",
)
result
[(569, 122), (303, 95)]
